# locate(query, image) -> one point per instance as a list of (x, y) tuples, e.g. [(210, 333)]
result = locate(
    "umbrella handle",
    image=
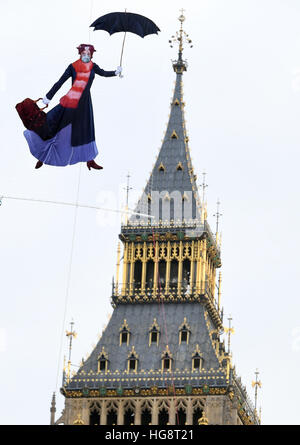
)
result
[(122, 49)]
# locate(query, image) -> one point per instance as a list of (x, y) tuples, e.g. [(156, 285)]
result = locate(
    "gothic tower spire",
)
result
[(171, 193)]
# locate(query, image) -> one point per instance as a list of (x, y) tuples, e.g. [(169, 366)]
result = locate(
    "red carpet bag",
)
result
[(32, 116)]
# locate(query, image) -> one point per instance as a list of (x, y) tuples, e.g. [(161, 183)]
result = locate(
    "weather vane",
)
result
[(180, 38)]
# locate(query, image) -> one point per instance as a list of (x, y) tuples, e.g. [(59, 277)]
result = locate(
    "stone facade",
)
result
[(219, 410)]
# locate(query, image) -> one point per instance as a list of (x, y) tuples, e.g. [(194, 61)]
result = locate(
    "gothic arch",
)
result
[(198, 409), (146, 412), (181, 412), (94, 418), (163, 413), (112, 414), (129, 413)]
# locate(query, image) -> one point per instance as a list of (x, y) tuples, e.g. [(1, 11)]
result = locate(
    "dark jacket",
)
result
[(81, 118)]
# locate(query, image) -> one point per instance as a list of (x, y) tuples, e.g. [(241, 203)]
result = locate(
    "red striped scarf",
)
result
[(83, 71)]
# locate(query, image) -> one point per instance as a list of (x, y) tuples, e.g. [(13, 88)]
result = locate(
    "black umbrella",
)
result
[(125, 22)]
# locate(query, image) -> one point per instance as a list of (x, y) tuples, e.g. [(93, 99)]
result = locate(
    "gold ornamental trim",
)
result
[(153, 391)]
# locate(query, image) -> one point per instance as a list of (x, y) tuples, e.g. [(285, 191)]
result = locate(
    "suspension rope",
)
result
[(72, 204), (68, 278), (91, 14)]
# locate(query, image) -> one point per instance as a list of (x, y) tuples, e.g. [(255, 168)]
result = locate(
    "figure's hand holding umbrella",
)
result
[(118, 71)]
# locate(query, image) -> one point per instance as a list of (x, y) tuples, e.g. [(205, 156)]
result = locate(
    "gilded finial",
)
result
[(204, 203), (78, 420), (128, 188), (180, 38), (256, 384), (218, 216), (71, 334), (203, 420), (229, 331)]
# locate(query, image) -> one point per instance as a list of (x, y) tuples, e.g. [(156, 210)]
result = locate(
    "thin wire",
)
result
[(91, 13), (69, 278), (45, 201)]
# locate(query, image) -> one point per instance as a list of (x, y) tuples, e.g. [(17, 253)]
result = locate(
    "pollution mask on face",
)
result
[(85, 58)]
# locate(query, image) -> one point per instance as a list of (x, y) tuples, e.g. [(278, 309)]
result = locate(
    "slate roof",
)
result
[(139, 318)]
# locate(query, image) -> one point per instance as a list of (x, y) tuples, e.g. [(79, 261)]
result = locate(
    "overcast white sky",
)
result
[(242, 93)]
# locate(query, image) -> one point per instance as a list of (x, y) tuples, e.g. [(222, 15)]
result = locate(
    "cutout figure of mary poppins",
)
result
[(68, 135)]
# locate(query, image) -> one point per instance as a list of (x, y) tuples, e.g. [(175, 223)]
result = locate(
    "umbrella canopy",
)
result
[(125, 22)]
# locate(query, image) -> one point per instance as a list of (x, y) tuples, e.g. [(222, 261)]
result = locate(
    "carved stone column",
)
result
[(189, 411), (154, 419), (168, 266), (85, 412), (131, 275), (125, 269), (103, 413), (68, 410), (172, 412), (204, 264), (144, 265), (138, 413), (180, 260), (230, 416), (120, 420)]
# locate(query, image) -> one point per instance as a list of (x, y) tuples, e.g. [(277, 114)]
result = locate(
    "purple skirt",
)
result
[(58, 150)]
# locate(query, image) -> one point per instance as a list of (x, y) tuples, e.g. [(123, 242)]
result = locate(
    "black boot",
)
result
[(92, 164), (39, 164)]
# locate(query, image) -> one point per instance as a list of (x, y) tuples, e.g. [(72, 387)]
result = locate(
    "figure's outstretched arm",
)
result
[(104, 73), (59, 83)]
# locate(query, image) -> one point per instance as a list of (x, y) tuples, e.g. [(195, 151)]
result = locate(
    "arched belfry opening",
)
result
[(138, 274), (112, 417), (197, 414), (129, 416), (146, 416), (162, 273), (163, 417), (149, 274), (181, 416), (186, 271), (174, 275)]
